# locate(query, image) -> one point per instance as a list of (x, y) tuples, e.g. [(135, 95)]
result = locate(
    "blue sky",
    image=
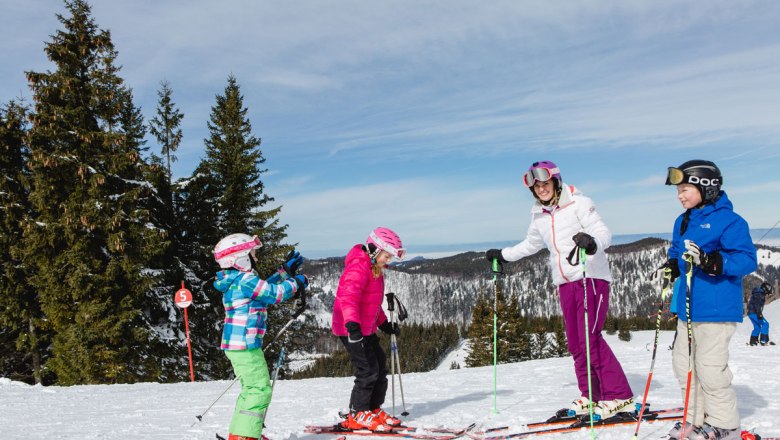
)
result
[(422, 115)]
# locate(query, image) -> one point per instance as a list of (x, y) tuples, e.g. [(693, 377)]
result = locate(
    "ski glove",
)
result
[(670, 264), (294, 259), (495, 254), (586, 242), (355, 334), (302, 283), (760, 317), (390, 329), (711, 264)]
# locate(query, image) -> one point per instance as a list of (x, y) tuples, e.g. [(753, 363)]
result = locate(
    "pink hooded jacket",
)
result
[(359, 295)]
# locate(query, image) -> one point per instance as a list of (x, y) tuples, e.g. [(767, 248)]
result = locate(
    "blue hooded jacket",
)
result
[(715, 227)]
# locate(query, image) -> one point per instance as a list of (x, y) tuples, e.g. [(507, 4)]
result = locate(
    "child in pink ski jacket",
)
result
[(357, 314), (563, 219)]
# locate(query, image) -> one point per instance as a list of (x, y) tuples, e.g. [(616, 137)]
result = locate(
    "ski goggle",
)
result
[(676, 176), (541, 174), (399, 253)]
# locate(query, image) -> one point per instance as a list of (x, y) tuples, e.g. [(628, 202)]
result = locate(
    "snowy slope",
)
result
[(527, 392)]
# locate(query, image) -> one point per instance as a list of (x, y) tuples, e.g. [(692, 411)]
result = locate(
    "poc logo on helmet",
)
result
[(703, 181)]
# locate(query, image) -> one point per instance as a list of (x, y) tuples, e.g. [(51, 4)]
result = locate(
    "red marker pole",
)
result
[(183, 299)]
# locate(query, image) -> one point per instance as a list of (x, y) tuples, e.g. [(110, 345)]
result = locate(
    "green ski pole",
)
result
[(587, 338)]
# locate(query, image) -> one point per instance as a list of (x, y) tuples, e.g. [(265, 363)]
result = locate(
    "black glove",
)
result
[(495, 254), (670, 264), (760, 317), (711, 264), (302, 283), (390, 329), (586, 242), (293, 261), (355, 335)]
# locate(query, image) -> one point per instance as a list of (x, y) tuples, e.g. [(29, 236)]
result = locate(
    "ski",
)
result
[(402, 432), (618, 420), (562, 417)]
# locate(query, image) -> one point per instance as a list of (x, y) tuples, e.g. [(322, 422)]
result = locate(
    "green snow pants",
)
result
[(250, 367)]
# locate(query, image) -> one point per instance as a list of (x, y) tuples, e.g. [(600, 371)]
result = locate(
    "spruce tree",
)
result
[(512, 343), (226, 195), (91, 240), (22, 333), (165, 126)]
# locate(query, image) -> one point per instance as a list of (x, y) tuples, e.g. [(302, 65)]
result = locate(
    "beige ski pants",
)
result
[(712, 398)]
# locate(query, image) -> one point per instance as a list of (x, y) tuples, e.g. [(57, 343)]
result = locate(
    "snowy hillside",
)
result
[(527, 392), (445, 290)]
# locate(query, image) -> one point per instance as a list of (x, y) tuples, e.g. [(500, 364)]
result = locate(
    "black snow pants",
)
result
[(370, 365)]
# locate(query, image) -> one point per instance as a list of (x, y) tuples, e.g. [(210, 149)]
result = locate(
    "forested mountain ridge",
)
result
[(445, 290)]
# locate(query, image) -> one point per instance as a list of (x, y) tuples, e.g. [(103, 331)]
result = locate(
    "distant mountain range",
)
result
[(446, 289), (766, 236)]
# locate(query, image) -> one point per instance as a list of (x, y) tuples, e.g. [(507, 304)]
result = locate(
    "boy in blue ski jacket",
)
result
[(246, 298), (718, 243), (755, 311)]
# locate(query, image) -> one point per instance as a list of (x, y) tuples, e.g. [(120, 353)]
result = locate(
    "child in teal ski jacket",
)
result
[(246, 297)]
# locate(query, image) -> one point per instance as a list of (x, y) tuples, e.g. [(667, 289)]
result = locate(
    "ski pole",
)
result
[(666, 287), (688, 275), (391, 309), (301, 308), (496, 271), (394, 356), (587, 337)]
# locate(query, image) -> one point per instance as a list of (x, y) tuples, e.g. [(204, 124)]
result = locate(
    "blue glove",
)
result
[(302, 283), (294, 259)]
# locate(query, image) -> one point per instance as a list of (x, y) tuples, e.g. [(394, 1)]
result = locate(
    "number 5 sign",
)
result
[(183, 299)]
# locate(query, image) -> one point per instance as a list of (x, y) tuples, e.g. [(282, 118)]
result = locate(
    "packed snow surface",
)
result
[(527, 391)]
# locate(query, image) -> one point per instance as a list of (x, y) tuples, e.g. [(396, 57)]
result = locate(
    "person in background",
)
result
[(357, 314), (563, 219), (717, 242), (755, 309), (246, 297)]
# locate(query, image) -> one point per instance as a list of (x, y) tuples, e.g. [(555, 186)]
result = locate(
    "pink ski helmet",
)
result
[(233, 251), (386, 240), (541, 171)]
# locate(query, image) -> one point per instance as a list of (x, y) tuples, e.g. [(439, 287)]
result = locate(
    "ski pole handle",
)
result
[(390, 301)]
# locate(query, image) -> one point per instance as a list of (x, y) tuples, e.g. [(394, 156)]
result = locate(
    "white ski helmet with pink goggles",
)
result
[(386, 240), (541, 171), (232, 252)]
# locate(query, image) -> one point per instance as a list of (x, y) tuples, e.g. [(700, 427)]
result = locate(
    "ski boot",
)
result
[(709, 432), (386, 418), (753, 341), (675, 432), (608, 408), (579, 406), (365, 420), (242, 437), (764, 340)]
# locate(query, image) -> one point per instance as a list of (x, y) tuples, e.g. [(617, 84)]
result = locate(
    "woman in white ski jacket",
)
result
[(561, 219)]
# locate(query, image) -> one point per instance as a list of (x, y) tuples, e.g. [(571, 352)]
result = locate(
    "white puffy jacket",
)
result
[(555, 229)]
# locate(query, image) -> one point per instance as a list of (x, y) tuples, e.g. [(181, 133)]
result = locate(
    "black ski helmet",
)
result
[(702, 174)]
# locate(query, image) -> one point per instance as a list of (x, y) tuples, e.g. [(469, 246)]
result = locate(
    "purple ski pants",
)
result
[(607, 377)]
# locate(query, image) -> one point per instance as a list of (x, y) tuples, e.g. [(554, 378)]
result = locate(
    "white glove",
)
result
[(695, 252)]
